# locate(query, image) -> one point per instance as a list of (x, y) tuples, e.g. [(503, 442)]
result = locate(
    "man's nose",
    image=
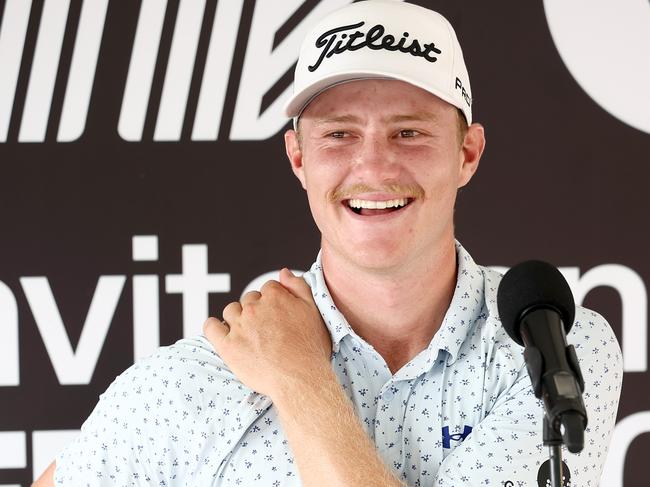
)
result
[(374, 159)]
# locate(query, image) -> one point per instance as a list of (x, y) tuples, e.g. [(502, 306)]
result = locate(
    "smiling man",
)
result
[(384, 365)]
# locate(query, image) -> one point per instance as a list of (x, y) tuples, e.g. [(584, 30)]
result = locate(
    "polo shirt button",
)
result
[(388, 395)]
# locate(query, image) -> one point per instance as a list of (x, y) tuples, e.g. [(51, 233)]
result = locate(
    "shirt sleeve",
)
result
[(165, 421), (505, 448)]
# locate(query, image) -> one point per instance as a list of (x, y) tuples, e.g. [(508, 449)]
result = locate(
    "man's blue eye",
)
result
[(408, 133)]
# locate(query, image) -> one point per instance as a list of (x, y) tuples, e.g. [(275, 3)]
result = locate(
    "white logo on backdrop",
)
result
[(604, 45), (195, 283), (45, 65), (263, 66), (626, 431), (75, 366)]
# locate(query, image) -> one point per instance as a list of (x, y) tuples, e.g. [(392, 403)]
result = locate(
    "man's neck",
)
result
[(398, 313)]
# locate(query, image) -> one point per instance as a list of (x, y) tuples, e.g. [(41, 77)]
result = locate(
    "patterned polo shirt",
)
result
[(461, 412)]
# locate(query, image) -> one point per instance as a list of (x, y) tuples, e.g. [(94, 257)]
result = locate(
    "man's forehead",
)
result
[(390, 100), (414, 116)]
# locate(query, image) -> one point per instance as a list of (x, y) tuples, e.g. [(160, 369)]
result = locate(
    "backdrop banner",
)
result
[(144, 184)]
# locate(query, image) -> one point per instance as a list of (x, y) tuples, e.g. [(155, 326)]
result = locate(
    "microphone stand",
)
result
[(573, 425), (565, 417), (553, 440), (537, 311)]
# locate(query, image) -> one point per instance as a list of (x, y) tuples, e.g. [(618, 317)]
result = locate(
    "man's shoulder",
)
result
[(596, 343), (181, 402), (590, 333), (189, 366), (186, 380), (587, 324), (186, 353)]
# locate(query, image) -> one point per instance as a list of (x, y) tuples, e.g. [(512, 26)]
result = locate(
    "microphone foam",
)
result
[(533, 285)]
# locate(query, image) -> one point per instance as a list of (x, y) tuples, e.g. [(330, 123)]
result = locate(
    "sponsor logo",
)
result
[(447, 438), (75, 365), (265, 63), (627, 430), (604, 45), (45, 65), (44, 445), (340, 40)]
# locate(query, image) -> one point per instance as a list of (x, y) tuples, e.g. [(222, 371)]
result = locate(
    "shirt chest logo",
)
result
[(447, 438)]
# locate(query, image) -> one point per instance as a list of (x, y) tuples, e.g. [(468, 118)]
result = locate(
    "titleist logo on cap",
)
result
[(339, 39)]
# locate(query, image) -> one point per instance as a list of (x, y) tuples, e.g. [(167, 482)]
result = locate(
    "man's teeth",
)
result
[(379, 205)]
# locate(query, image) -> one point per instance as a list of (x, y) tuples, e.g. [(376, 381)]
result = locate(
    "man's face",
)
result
[(381, 163)]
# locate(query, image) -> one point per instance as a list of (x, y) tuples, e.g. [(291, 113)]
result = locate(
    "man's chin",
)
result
[(375, 257)]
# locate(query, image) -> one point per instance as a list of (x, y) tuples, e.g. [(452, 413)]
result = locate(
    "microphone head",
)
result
[(533, 285)]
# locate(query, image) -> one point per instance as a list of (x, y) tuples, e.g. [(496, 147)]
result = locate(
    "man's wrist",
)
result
[(308, 382)]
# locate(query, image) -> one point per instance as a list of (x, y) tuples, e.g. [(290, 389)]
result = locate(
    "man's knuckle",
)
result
[(270, 286), (251, 295), (231, 308), (209, 323)]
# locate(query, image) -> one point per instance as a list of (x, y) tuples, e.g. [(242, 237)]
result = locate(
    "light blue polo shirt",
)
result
[(461, 412)]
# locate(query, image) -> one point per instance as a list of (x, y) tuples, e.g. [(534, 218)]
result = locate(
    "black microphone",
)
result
[(536, 308)]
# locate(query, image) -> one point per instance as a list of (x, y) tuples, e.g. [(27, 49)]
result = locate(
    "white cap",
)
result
[(382, 39)]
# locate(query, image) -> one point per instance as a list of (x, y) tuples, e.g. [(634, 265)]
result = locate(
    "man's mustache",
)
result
[(399, 190)]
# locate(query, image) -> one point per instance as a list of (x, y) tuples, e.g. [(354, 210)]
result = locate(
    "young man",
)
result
[(386, 363)]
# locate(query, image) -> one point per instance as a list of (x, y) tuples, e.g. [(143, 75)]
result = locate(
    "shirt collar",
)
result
[(465, 308), (336, 323)]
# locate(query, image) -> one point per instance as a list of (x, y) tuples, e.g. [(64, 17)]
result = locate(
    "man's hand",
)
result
[(276, 343), (273, 337)]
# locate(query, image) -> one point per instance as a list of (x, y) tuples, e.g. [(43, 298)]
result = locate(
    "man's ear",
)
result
[(294, 153), (470, 153)]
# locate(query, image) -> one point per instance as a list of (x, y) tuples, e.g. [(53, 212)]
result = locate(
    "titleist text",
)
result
[(339, 40)]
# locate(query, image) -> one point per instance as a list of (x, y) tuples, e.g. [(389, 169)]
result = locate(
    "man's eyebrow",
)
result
[(339, 119), (413, 117), (420, 116)]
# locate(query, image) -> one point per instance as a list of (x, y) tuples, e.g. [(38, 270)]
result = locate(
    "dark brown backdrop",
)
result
[(562, 180)]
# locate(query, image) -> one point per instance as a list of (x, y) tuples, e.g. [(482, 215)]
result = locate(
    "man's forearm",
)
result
[(281, 328), (328, 441)]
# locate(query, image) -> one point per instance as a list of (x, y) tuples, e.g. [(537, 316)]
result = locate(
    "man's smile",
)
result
[(374, 207)]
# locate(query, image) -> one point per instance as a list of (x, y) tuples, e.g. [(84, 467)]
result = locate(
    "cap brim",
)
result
[(299, 101)]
